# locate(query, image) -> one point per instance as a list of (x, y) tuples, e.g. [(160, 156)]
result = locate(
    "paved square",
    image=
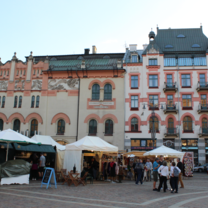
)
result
[(105, 194)]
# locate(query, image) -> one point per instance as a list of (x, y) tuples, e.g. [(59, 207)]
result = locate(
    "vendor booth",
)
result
[(89, 145)]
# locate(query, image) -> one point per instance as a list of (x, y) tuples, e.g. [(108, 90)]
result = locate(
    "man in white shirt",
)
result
[(41, 165), (149, 169), (164, 174)]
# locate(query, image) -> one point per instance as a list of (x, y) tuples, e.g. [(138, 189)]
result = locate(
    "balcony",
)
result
[(203, 132), (171, 132), (170, 87), (170, 109), (203, 108), (202, 87)]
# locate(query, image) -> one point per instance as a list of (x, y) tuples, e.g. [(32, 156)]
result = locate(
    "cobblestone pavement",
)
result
[(105, 194)]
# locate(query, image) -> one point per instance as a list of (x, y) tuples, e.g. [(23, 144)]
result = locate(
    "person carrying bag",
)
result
[(164, 174)]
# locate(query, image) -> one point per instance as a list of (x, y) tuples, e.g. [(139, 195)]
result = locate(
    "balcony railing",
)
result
[(203, 131), (202, 108), (170, 108), (170, 86), (171, 132), (202, 86)]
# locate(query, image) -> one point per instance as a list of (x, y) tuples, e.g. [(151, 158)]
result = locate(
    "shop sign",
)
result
[(143, 148), (49, 178)]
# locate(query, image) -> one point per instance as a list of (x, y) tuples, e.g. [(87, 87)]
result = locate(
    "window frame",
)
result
[(16, 124), (96, 92), (134, 102), (92, 128), (186, 124), (156, 120), (185, 81), (20, 101), (3, 102), (37, 103), (61, 131), (108, 92), (134, 58), (153, 81), (153, 62), (1, 124), (134, 124), (109, 128), (152, 104), (187, 99), (15, 101), (32, 132), (134, 81), (33, 101)]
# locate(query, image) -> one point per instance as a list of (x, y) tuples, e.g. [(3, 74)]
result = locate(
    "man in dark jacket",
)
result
[(180, 166), (139, 168), (135, 172)]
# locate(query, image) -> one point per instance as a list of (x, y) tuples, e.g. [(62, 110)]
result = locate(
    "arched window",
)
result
[(16, 125), (20, 101), (108, 92), (33, 101), (1, 124), (37, 101), (187, 124), (61, 127), (34, 127), (170, 126), (204, 126), (109, 127), (93, 127), (3, 101), (15, 101), (95, 92), (134, 124), (154, 121)]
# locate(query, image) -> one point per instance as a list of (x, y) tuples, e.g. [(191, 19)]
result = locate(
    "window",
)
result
[(152, 62), (203, 102), (15, 101), (170, 126), (93, 127), (185, 62), (153, 101), (20, 101), (168, 46), (33, 101), (204, 126), (154, 123), (34, 127), (61, 127), (8, 73), (24, 72), (33, 72), (181, 36), (186, 82), (200, 61), (134, 58), (202, 80), (16, 125), (37, 101), (17, 72), (109, 127), (134, 82), (169, 80), (196, 46), (153, 81), (3, 101), (108, 92), (21, 72), (189, 142), (170, 102), (186, 100), (95, 92), (142, 144), (1, 124), (134, 124), (187, 124), (1, 73), (134, 101)]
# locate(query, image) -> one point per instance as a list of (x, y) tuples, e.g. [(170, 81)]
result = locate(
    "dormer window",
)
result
[(168, 46), (181, 36), (195, 46), (134, 58)]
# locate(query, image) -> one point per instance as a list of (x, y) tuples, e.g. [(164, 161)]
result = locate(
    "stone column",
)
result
[(201, 151), (12, 70), (29, 67)]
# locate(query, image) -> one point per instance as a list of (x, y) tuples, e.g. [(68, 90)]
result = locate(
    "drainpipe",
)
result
[(78, 107)]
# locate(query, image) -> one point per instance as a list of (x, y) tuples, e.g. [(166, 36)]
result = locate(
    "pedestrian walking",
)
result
[(164, 174), (139, 168), (155, 173), (180, 166), (149, 169), (175, 172)]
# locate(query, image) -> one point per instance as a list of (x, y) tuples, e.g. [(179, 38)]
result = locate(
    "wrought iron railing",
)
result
[(170, 85), (202, 85), (171, 130), (203, 106), (169, 106)]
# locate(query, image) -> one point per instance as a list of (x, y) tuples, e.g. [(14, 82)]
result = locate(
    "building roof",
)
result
[(127, 56), (179, 40)]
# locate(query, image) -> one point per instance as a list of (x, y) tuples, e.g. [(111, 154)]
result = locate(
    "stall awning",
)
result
[(4, 145), (136, 153), (34, 148)]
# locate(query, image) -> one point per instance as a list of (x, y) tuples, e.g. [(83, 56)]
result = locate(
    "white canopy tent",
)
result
[(47, 140), (74, 151), (166, 151), (9, 136)]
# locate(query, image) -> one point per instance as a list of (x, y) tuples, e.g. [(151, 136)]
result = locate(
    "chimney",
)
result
[(145, 46), (94, 49), (133, 47), (86, 51)]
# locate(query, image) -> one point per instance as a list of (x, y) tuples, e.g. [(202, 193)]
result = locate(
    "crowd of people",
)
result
[(162, 170)]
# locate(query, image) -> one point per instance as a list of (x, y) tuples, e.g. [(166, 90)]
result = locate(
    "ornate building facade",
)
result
[(169, 79), (66, 97)]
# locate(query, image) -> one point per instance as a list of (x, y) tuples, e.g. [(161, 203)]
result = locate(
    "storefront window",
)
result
[(189, 143), (142, 144), (206, 142)]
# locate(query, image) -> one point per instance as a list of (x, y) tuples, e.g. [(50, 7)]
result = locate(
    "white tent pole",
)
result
[(7, 152)]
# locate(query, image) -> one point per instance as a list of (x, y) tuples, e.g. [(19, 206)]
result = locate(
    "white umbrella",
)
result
[(163, 150), (9, 136)]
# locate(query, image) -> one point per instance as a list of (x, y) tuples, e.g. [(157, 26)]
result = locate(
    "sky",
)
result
[(67, 27)]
